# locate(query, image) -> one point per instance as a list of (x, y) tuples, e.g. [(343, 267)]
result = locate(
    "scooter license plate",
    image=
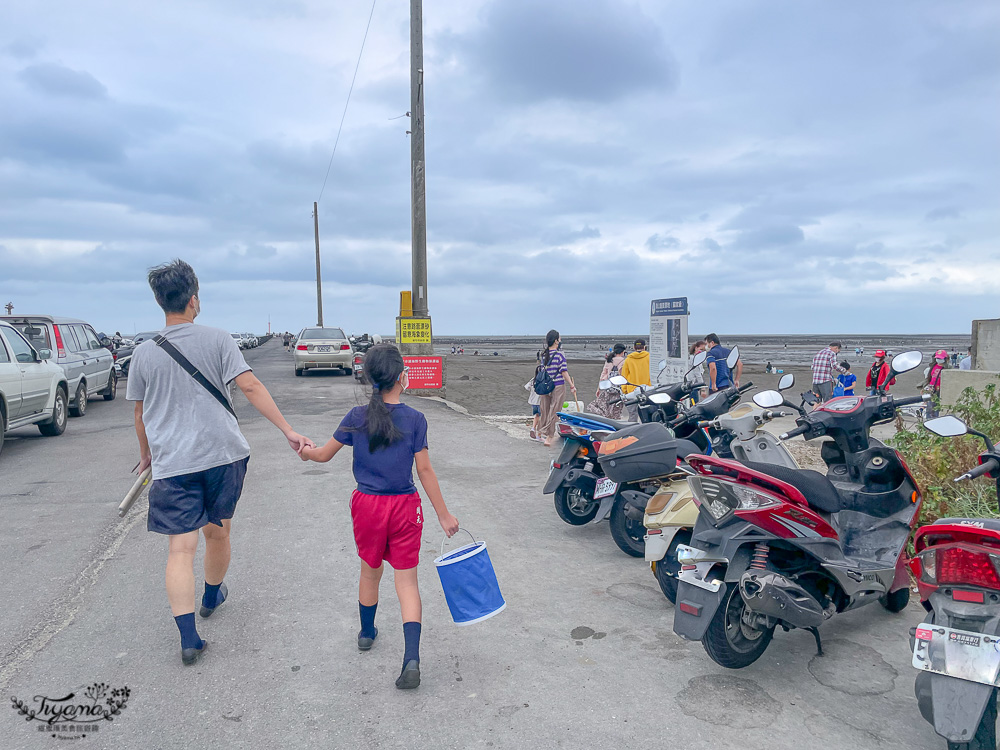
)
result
[(958, 653), (605, 488)]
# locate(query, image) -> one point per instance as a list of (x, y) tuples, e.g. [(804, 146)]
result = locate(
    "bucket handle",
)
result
[(446, 539)]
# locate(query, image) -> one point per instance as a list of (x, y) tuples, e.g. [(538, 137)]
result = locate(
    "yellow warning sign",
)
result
[(414, 331)]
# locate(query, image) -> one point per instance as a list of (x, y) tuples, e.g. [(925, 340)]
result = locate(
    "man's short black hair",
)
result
[(836, 344), (173, 285), (713, 339), (639, 344)]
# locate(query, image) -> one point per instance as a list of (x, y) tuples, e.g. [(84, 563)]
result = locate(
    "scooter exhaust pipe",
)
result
[(772, 594)]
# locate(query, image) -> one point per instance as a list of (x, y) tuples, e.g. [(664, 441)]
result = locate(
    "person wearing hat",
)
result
[(933, 382), (875, 380)]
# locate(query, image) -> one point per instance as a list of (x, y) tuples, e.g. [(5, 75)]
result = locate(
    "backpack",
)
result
[(544, 384)]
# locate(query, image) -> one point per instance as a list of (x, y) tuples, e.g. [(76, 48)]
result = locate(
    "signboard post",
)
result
[(668, 339)]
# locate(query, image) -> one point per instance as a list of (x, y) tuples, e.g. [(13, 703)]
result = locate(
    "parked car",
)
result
[(33, 388), (322, 347), (77, 349)]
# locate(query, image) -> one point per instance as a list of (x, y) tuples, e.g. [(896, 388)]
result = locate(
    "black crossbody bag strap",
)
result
[(194, 373)]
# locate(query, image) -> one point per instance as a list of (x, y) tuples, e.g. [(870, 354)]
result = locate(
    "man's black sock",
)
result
[(189, 633), (211, 597), (367, 620), (411, 636)]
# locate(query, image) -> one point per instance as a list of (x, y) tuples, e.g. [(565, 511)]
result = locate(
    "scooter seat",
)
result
[(615, 424), (992, 524), (818, 490)]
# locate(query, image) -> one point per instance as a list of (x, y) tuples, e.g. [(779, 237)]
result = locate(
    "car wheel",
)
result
[(56, 424), (79, 407), (112, 390), (299, 371)]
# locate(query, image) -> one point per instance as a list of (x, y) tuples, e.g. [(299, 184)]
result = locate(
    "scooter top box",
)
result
[(640, 452)]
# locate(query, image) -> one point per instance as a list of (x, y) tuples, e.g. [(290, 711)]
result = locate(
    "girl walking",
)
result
[(608, 403), (554, 361), (388, 437)]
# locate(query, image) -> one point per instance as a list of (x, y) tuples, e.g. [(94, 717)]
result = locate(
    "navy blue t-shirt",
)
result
[(718, 354), (389, 470)]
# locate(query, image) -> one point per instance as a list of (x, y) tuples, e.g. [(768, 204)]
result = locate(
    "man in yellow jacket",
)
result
[(635, 369)]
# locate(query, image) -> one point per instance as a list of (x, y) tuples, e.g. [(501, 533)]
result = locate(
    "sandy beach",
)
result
[(495, 385)]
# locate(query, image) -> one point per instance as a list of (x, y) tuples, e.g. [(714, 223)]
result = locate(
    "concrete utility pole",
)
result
[(10, 307), (319, 279), (419, 208)]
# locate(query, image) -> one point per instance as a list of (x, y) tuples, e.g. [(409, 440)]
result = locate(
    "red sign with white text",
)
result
[(425, 372)]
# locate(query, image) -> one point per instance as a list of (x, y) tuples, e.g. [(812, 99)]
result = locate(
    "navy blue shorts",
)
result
[(535, 409), (187, 502)]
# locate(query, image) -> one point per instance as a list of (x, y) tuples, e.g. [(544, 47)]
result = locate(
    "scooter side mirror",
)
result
[(733, 358), (905, 362), (786, 382), (768, 399), (699, 358), (661, 365), (947, 426), (660, 398), (605, 385), (618, 380)]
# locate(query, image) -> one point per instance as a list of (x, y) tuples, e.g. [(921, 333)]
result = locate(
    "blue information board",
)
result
[(671, 307)]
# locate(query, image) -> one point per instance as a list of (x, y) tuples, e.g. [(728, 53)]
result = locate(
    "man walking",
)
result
[(719, 374), (188, 432), (635, 369), (287, 338), (823, 365)]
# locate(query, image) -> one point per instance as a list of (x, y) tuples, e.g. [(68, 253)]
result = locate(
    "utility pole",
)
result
[(10, 307), (419, 208), (319, 279)]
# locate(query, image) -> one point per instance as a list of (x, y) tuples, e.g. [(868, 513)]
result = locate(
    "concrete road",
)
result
[(583, 657)]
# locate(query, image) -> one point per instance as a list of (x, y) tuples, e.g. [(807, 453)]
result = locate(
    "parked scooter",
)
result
[(671, 513), (793, 547), (582, 492), (957, 646)]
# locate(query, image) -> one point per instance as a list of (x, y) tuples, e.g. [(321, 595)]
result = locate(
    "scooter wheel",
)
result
[(574, 506), (897, 600), (729, 641), (668, 568), (629, 535)]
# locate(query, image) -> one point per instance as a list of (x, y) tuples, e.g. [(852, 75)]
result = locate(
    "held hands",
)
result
[(298, 442), (449, 523)]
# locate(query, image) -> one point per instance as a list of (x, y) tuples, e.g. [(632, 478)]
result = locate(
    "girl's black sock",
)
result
[(189, 633), (411, 635), (367, 620)]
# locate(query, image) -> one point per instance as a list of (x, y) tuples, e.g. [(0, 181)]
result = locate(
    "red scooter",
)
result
[(776, 546), (957, 646)]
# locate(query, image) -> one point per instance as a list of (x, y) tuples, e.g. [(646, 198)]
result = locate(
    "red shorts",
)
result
[(387, 527)]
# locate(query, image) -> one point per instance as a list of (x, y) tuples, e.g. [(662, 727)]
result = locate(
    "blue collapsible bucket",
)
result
[(469, 583)]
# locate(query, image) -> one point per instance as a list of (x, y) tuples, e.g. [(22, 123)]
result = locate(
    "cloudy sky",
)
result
[(788, 166)]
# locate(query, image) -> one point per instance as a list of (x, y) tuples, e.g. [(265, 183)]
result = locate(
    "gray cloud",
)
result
[(57, 80)]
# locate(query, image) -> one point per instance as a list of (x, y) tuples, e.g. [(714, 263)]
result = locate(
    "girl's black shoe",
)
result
[(409, 678), (365, 643)]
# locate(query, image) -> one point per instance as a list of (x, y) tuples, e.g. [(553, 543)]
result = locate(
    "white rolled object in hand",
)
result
[(134, 493)]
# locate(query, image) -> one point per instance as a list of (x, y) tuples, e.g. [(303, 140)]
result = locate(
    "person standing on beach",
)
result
[(966, 362), (191, 438), (635, 369), (933, 382), (823, 365), (719, 375), (608, 402), (554, 362), (388, 437), (877, 376)]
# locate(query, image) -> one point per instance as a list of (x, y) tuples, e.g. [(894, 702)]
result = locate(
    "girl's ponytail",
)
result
[(550, 338), (383, 366)]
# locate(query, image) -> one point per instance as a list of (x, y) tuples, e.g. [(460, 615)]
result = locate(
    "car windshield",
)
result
[(36, 333), (235, 335), (323, 333)]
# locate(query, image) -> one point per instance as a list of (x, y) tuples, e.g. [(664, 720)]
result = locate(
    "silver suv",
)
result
[(32, 388), (88, 364)]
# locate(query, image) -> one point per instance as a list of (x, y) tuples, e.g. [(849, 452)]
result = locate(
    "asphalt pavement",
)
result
[(583, 657)]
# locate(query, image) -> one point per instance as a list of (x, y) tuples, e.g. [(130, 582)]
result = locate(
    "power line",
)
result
[(347, 103)]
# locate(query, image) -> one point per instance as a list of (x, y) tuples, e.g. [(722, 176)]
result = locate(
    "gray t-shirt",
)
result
[(188, 430)]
